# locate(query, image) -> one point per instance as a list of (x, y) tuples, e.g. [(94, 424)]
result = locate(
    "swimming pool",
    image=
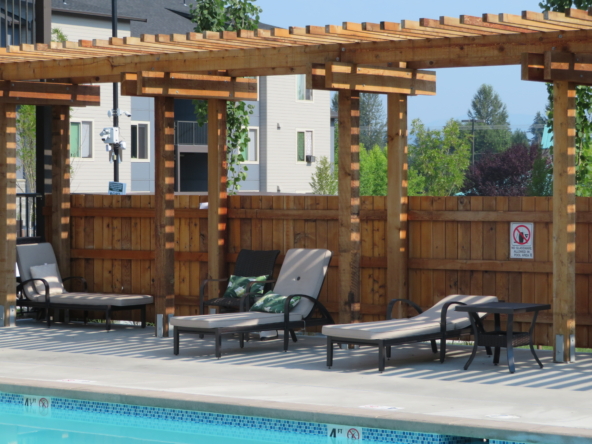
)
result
[(48, 420)]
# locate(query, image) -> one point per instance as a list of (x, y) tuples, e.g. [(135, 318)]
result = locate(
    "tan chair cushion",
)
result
[(117, 300), (245, 319), (48, 272), (426, 323)]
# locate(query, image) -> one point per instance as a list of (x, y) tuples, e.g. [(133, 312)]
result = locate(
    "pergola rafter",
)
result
[(381, 57)]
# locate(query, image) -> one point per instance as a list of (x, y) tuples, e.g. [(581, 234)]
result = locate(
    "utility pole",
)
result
[(116, 152), (473, 132)]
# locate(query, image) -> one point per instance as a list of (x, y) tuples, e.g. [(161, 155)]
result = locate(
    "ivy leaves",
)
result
[(229, 15)]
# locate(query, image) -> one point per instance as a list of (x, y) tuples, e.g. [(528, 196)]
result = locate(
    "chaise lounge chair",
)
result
[(42, 287), (302, 274), (249, 264), (431, 325)]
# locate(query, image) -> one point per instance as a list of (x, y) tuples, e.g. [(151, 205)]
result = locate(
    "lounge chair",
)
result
[(302, 274), (42, 287), (249, 263), (437, 323)]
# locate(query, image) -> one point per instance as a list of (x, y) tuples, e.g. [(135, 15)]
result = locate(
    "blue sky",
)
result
[(456, 87)]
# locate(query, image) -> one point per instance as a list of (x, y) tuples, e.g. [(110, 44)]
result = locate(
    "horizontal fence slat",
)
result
[(518, 266)]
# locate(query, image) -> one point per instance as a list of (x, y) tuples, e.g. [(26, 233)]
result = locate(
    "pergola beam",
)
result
[(217, 195), (7, 209), (557, 67), (379, 80), (42, 93), (164, 209), (487, 50), (188, 86), (350, 247), (564, 221)]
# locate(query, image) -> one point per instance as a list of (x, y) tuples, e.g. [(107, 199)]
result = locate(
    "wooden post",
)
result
[(217, 194), (60, 186), (564, 221), (397, 200), (7, 208), (164, 206), (349, 207)]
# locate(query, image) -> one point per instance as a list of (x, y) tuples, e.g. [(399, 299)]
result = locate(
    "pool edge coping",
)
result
[(379, 419)]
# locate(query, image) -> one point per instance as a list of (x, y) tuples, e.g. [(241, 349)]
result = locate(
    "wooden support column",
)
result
[(164, 207), (7, 208), (397, 200), (217, 194), (564, 220), (349, 207), (60, 186)]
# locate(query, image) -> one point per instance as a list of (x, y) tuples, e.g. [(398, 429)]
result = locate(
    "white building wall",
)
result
[(92, 175), (279, 143)]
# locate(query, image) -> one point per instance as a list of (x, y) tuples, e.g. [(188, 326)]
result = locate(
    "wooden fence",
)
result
[(456, 245)]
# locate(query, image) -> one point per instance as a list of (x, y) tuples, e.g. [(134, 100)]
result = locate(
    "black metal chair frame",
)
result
[(246, 266), (25, 301), (384, 345), (287, 326)]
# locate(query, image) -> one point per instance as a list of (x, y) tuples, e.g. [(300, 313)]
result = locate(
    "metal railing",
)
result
[(190, 133), (17, 22), (26, 211)]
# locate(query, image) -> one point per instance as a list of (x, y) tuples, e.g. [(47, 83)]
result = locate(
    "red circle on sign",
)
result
[(521, 234), (353, 434)]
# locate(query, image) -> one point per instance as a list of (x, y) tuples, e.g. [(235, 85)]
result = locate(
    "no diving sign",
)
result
[(521, 240)]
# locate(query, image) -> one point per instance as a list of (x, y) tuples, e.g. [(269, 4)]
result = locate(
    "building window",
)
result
[(301, 92), (81, 139), (140, 141), (251, 154), (304, 145)]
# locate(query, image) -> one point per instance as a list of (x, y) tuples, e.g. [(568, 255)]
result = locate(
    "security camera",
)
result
[(110, 135)]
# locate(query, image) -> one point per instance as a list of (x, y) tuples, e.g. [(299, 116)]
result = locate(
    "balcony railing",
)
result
[(26, 223), (17, 22), (190, 133)]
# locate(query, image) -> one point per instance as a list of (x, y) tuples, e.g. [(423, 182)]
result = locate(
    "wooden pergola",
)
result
[(355, 57)]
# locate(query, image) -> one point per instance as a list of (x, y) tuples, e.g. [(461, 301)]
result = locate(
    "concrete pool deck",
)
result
[(129, 365)]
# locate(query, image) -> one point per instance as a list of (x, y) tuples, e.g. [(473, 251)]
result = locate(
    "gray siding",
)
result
[(279, 144)]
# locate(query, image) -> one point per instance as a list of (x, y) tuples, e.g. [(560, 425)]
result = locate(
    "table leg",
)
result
[(381, 360), (476, 345), (509, 346), (530, 332)]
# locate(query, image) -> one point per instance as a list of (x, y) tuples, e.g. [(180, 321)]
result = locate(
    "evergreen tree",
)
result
[(492, 129), (324, 179), (537, 128), (372, 120)]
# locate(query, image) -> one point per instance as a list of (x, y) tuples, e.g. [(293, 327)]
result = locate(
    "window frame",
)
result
[(148, 139), (305, 130), (298, 99), (254, 162), (91, 139)]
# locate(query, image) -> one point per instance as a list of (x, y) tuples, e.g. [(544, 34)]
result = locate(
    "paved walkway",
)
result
[(550, 405)]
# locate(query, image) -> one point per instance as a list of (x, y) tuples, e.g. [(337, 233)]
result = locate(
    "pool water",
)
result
[(50, 420)]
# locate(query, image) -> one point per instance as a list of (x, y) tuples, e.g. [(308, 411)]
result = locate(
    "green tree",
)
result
[(583, 110), (26, 133), (228, 15), (438, 159), (492, 133), (324, 179), (537, 129), (57, 35), (519, 137), (372, 119), (373, 171)]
